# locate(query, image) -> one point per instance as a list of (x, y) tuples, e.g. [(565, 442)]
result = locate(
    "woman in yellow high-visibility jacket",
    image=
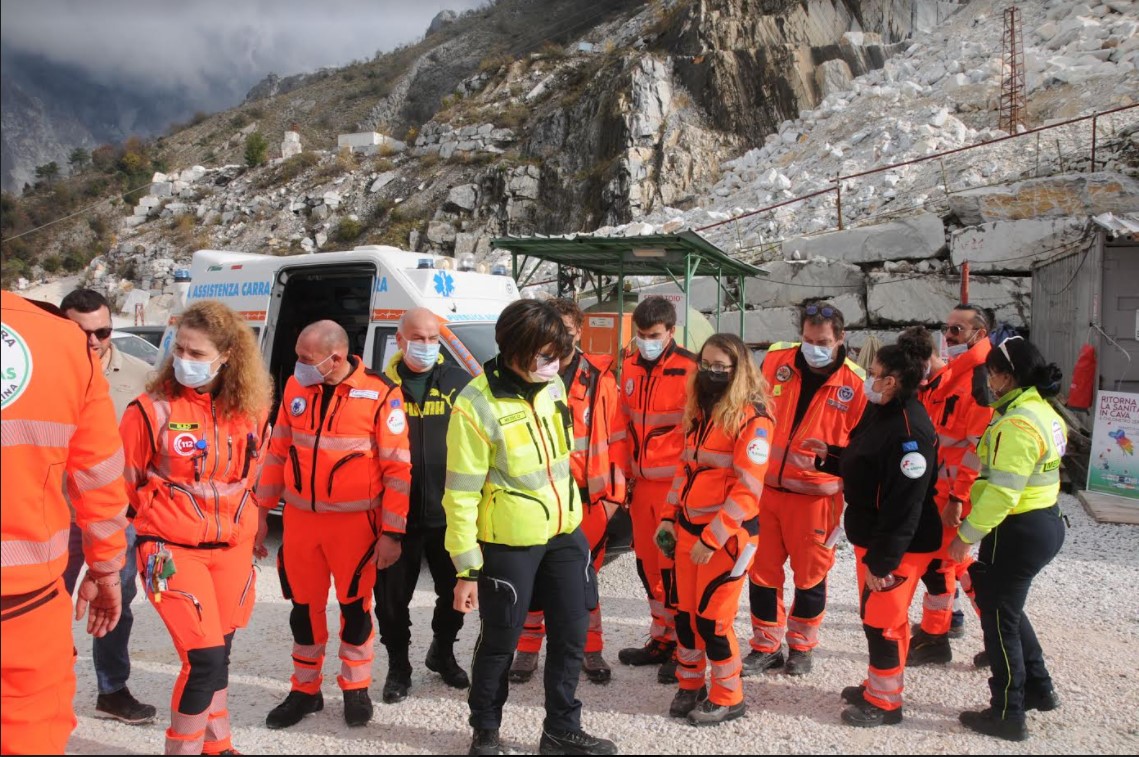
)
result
[(1017, 521)]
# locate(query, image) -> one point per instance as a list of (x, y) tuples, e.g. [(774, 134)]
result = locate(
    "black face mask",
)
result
[(710, 386)]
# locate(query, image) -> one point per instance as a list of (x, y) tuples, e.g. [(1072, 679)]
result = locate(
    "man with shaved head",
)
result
[(429, 386), (339, 458)]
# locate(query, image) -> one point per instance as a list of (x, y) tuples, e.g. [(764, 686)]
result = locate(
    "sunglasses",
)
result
[(826, 310), (955, 329), (716, 368), (100, 334)]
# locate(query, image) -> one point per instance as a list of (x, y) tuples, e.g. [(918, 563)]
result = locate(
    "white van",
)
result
[(365, 290)]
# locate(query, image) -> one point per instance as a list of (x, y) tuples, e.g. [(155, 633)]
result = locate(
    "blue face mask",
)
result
[(868, 390), (421, 356), (817, 356), (309, 375), (650, 349), (194, 373)]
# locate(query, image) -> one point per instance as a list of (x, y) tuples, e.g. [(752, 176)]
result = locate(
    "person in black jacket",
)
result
[(888, 475), (429, 385)]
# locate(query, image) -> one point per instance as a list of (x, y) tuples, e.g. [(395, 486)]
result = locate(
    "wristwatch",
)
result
[(472, 575), (393, 536)]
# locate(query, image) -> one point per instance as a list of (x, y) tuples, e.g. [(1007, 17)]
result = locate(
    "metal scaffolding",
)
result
[(1014, 100)]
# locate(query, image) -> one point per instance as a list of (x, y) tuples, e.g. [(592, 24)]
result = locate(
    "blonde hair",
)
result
[(746, 388), (244, 386)]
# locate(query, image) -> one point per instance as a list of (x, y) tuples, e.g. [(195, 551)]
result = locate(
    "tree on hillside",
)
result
[(256, 149), (48, 172), (78, 159)]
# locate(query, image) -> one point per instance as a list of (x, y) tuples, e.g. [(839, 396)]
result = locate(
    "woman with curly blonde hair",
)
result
[(712, 518), (193, 444)]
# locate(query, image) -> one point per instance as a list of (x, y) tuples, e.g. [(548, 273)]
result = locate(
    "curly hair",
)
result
[(747, 387), (244, 385)]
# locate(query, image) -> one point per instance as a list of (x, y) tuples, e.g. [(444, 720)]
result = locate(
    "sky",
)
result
[(207, 50)]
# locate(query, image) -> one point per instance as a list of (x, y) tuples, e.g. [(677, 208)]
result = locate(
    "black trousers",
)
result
[(395, 586), (555, 577), (1010, 557)]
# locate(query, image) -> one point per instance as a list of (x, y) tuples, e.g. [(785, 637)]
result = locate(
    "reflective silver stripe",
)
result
[(529, 482), (971, 461), (308, 652), (698, 512), (114, 565), (799, 460), (394, 521), (14, 433), (398, 454), (292, 497), (335, 443), (191, 728), (271, 460), (822, 488), (401, 485), (282, 431), (596, 485), (727, 668), (804, 633), (947, 473), (99, 475), (134, 476), (753, 484), (664, 471), (689, 656), (269, 492), (18, 552), (719, 531), (617, 436), (886, 688), (1014, 481), (937, 602), (581, 444), (970, 533), (734, 510), (1045, 478), (663, 419), (464, 482), (101, 530), (948, 441), (468, 560), (715, 459)]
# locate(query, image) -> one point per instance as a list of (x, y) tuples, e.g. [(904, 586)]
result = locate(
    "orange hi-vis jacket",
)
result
[(56, 418), (189, 471), (833, 413), (721, 476), (353, 457), (959, 421), (597, 459), (653, 396)]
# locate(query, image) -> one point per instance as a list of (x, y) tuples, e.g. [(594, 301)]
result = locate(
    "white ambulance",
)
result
[(365, 290)]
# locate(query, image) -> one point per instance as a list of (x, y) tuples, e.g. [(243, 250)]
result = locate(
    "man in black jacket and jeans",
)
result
[(429, 386)]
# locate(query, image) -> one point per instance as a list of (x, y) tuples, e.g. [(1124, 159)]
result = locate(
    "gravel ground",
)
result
[(1083, 607)]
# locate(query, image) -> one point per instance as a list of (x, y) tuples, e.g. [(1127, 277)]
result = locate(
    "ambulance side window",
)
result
[(383, 347)]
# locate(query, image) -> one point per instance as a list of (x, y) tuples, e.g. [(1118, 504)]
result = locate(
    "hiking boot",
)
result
[(653, 653), (853, 694), (987, 723), (799, 662), (573, 742), (981, 660), (397, 682), (523, 667), (357, 707), (863, 714), (957, 627), (441, 660), (667, 672), (1044, 701), (929, 649), (485, 741), (757, 662), (708, 712), (122, 706), (296, 705), (595, 668), (686, 700)]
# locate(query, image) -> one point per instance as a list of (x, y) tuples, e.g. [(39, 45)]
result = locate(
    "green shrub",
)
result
[(348, 230), (256, 149), (51, 263)]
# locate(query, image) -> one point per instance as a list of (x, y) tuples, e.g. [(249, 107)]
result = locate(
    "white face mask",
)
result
[(955, 351), (309, 375), (817, 356), (545, 372), (421, 356), (868, 390), (194, 373), (650, 349)]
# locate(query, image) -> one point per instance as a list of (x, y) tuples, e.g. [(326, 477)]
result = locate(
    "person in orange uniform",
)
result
[(654, 393), (888, 480), (193, 445), (816, 391), (591, 389), (958, 404), (340, 458), (58, 419), (712, 516)]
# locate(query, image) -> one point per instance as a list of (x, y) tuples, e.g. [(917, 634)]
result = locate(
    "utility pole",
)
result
[(1014, 100)]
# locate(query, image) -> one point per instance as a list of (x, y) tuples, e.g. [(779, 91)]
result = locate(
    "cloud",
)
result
[(208, 50)]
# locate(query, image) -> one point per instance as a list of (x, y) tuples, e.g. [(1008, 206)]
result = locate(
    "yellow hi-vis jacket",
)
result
[(1020, 462), (508, 466)]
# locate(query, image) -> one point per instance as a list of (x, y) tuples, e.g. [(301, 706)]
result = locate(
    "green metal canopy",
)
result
[(680, 257)]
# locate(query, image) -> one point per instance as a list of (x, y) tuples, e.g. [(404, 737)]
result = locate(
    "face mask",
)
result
[(954, 351), (194, 373), (711, 385), (545, 372), (928, 370), (309, 375), (868, 390), (816, 356), (421, 356), (995, 394), (650, 349)]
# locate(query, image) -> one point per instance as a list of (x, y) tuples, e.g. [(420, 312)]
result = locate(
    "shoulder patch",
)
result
[(1058, 437), (758, 450), (913, 465), (297, 406), (629, 387), (910, 446), (366, 394), (783, 373), (513, 417), (845, 393), (397, 421)]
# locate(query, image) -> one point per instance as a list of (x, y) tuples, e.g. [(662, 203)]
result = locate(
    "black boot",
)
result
[(929, 649), (667, 672), (653, 653), (1045, 701), (989, 724), (685, 701), (866, 715), (398, 680), (799, 662), (296, 705), (357, 707), (573, 742), (853, 694), (757, 662), (485, 741), (441, 660)]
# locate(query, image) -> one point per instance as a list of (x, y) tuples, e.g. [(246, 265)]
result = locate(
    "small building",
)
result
[(370, 143)]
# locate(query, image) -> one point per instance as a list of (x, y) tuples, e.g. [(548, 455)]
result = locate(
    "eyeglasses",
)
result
[(717, 368), (100, 334), (544, 360), (1003, 347), (826, 311), (955, 329)]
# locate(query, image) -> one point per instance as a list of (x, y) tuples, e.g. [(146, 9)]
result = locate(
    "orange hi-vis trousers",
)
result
[(941, 580), (707, 600), (37, 672), (210, 596), (645, 509), (795, 526), (886, 621), (593, 526), (317, 550)]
